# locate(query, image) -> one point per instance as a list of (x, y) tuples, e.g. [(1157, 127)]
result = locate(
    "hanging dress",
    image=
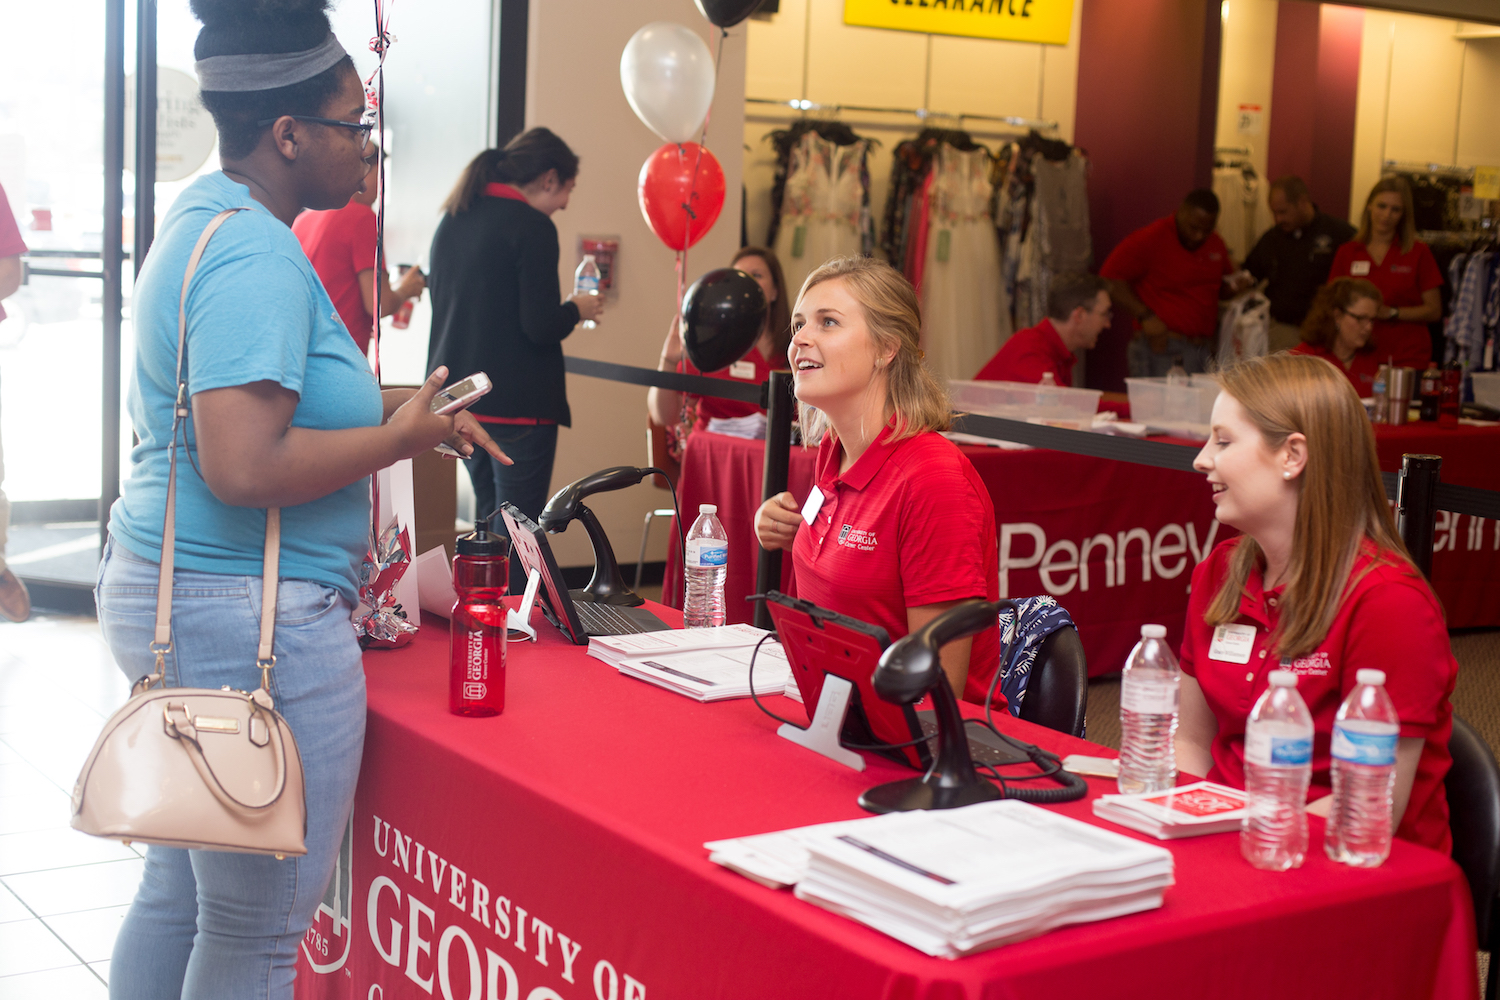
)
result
[(824, 210), (965, 317)]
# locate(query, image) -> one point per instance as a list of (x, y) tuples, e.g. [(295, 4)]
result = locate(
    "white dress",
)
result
[(965, 317), (822, 206)]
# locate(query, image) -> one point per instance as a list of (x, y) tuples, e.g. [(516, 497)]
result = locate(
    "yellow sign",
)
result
[(1047, 21), (1487, 182)]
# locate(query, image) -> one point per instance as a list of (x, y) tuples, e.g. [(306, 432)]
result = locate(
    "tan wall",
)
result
[(1247, 61), (1424, 96), (573, 87), (871, 66)]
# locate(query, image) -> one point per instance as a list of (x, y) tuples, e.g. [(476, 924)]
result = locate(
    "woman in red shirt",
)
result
[(1318, 583), (1337, 329), (898, 526), (666, 406), (1386, 252)]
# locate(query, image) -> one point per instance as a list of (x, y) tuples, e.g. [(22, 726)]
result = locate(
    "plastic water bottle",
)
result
[(706, 563), (1278, 764), (1048, 380), (1148, 715), (586, 282), (1364, 774), (1177, 375)]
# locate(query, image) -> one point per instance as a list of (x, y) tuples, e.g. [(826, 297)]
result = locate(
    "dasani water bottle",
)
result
[(586, 282), (1364, 774), (1278, 764), (707, 559), (1148, 715)]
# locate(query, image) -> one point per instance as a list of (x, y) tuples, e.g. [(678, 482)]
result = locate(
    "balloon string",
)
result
[(687, 206)]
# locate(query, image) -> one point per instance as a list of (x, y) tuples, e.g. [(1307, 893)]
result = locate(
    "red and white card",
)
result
[(1202, 807)]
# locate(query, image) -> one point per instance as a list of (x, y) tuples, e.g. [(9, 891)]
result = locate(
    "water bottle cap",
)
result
[(1370, 676), (1153, 631), (708, 508), (1283, 679), (480, 542)]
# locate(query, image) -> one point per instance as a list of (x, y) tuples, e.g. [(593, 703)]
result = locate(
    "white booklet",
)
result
[(1185, 811), (614, 648), (713, 674)]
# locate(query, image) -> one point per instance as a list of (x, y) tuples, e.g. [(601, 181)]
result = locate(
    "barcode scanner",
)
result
[(911, 668)]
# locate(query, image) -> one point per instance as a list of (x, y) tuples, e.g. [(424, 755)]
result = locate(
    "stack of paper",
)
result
[(777, 860), (614, 648), (1185, 811), (706, 664), (955, 881)]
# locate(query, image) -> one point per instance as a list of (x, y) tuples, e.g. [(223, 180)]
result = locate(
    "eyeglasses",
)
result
[(1361, 318), (364, 126)]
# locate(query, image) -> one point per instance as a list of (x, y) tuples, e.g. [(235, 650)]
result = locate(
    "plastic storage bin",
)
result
[(1487, 389), (1180, 409), (1022, 400)]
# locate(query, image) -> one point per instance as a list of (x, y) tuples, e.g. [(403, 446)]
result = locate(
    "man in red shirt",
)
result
[(1078, 310), (15, 602), (1169, 276), (340, 244)]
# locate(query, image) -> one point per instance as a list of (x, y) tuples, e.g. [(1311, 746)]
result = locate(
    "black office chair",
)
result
[(1057, 694), (1473, 787)]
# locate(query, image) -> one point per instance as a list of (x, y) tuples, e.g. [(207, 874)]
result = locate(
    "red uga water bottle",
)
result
[(476, 650)]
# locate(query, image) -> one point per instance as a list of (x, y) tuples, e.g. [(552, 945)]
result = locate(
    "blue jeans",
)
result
[(532, 447), (1195, 354), (209, 924)]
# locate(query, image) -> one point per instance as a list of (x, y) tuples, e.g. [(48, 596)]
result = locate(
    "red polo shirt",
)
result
[(1389, 620), (753, 367), (1029, 354), (909, 524), (1401, 278), (1360, 371), (1180, 285), (340, 244)]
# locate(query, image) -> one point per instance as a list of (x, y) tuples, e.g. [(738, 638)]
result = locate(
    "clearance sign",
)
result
[(1047, 21)]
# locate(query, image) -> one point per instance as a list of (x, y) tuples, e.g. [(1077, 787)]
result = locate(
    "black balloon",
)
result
[(722, 315), (727, 13)]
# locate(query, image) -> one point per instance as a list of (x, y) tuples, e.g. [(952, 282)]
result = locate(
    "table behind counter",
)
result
[(1114, 542), (556, 851)]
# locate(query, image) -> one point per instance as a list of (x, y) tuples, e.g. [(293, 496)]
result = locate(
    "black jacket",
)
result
[(497, 308)]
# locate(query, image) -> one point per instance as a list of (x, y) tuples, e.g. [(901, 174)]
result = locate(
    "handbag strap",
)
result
[(162, 639)]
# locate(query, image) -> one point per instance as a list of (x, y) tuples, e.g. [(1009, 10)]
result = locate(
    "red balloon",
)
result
[(681, 190)]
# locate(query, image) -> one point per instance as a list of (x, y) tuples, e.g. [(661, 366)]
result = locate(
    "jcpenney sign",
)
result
[(1108, 560)]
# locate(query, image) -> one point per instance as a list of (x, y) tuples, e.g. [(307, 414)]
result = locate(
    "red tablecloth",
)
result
[(1142, 528), (581, 813)]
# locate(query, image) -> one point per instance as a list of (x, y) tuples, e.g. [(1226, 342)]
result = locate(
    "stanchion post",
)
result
[(780, 411), (1416, 506)]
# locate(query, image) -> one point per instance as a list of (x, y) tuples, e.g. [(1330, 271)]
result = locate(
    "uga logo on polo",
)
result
[(857, 538)]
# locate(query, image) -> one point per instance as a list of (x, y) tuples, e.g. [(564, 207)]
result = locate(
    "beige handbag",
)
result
[(216, 770)]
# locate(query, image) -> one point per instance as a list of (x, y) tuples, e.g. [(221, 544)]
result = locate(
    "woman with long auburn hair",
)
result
[(1319, 583), (899, 526)]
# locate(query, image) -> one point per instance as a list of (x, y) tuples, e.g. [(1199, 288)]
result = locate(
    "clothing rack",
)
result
[(1440, 169), (921, 114)]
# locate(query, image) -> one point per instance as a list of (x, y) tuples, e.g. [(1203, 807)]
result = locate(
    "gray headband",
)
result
[(268, 71)]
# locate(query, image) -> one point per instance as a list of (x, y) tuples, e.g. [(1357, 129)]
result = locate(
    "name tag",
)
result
[(1232, 643), (742, 369), (1359, 268), (813, 505)]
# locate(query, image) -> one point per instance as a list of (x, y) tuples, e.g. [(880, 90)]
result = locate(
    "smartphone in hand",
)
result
[(461, 395)]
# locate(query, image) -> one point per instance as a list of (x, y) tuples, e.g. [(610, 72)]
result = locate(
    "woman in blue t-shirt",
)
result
[(285, 412)]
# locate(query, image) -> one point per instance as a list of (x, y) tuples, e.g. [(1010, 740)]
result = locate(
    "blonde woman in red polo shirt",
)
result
[(899, 527), (1319, 583), (1387, 253)]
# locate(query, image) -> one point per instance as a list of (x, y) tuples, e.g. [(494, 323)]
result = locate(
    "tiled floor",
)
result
[(62, 894)]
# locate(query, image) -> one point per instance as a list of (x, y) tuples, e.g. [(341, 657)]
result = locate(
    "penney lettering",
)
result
[(410, 921), (1064, 564)]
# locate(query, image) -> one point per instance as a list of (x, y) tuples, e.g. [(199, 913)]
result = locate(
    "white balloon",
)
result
[(668, 77)]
